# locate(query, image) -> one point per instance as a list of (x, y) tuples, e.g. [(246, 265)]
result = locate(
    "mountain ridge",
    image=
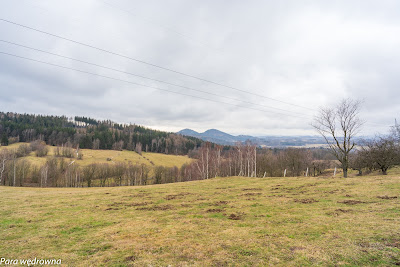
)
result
[(222, 138)]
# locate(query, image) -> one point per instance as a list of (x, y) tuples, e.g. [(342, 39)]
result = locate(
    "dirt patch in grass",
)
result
[(306, 200), (160, 207), (107, 209), (351, 202), (251, 189), (236, 216), (130, 258), (222, 202), (117, 204), (386, 197), (141, 195), (170, 197), (175, 196), (293, 249), (139, 204), (215, 210), (338, 212), (393, 244), (301, 187), (251, 194), (277, 196), (343, 211), (335, 191)]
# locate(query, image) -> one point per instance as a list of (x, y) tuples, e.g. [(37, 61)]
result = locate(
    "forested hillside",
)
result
[(90, 133)]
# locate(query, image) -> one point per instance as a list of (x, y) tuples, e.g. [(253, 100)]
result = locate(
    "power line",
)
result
[(149, 64), (379, 124), (143, 85), (144, 77), (167, 28)]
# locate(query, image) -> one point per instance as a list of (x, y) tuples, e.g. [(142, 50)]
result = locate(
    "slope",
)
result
[(223, 221)]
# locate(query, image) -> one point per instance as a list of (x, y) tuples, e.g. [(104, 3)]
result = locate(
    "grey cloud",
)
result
[(307, 53)]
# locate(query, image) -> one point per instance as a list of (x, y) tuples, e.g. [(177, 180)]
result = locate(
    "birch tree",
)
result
[(4, 157)]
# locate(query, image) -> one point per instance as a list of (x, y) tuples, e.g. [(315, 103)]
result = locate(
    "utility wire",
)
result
[(167, 28), (143, 85), (150, 64), (144, 77)]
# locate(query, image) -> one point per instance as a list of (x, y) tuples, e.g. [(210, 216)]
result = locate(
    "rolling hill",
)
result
[(112, 156)]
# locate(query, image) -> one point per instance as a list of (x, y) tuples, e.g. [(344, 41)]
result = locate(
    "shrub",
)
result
[(23, 150)]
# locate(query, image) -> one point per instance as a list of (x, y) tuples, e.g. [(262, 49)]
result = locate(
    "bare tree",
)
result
[(22, 167), (396, 132), (338, 126), (89, 173), (4, 157), (382, 153)]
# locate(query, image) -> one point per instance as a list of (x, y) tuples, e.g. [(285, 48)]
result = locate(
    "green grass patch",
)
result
[(307, 221)]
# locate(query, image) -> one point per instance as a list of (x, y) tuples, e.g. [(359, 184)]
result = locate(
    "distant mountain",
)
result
[(222, 138), (219, 137), (188, 132), (211, 135)]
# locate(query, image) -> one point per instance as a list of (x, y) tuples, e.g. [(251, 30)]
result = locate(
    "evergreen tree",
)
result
[(4, 140)]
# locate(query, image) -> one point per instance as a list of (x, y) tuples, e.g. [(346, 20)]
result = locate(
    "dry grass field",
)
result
[(231, 221), (101, 156)]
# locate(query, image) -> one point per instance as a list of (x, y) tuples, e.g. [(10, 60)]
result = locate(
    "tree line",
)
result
[(58, 130), (209, 160)]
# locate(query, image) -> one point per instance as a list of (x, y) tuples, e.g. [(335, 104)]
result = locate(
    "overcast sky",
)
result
[(284, 58)]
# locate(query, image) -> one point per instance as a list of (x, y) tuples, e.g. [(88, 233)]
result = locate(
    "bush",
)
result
[(36, 144), (23, 150), (42, 150)]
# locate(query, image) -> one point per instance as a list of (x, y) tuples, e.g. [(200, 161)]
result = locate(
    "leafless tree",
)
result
[(382, 153), (396, 132), (203, 162), (22, 167), (89, 173), (96, 144), (338, 126), (4, 157)]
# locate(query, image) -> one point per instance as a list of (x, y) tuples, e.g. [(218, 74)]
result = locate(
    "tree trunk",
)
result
[(345, 172)]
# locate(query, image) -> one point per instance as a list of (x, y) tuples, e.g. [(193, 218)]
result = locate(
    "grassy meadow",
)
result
[(101, 156), (232, 221)]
